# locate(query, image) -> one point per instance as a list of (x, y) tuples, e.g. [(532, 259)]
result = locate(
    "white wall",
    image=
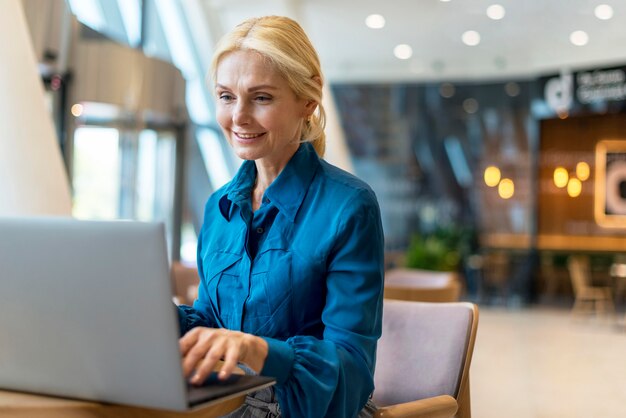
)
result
[(33, 180), (337, 152)]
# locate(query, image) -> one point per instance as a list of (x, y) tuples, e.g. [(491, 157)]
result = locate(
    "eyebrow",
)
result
[(251, 89)]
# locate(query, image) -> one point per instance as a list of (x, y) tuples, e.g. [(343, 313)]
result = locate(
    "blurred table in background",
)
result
[(422, 285)]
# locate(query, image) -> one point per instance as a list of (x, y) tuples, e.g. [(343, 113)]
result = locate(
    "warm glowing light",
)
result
[(506, 188), (574, 187), (579, 38), (561, 177), (403, 51), (495, 12), (375, 21), (492, 176), (582, 171), (77, 109), (471, 38)]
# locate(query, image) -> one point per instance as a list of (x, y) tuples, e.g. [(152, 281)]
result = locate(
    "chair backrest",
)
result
[(579, 271), (425, 350), (185, 278)]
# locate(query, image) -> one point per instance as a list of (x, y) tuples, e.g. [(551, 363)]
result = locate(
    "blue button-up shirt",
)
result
[(305, 272)]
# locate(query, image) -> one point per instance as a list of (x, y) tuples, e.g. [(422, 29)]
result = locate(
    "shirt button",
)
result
[(259, 230)]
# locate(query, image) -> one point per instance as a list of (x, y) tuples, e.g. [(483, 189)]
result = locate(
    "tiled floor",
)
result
[(542, 363)]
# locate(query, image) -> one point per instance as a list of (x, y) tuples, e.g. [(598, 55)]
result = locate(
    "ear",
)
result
[(311, 105)]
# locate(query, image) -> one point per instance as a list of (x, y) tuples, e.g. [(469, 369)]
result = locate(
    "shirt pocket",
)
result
[(271, 293), (224, 285)]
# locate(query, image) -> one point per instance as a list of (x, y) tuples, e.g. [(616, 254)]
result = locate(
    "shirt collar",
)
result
[(286, 192), (238, 190)]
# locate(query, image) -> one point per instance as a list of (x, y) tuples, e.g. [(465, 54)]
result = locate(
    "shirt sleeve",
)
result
[(333, 377), (189, 317)]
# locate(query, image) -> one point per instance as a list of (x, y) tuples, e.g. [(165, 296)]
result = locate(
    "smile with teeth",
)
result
[(247, 136)]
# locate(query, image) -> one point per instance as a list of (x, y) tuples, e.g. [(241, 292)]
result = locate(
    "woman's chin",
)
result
[(247, 154)]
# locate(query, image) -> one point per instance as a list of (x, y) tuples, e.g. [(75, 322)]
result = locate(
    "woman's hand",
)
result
[(202, 348)]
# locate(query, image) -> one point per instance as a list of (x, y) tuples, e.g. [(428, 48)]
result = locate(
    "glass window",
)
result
[(124, 175), (189, 243), (214, 158), (89, 12), (131, 17), (96, 168), (155, 181)]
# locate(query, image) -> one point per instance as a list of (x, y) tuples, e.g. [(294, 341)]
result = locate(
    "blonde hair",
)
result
[(284, 43)]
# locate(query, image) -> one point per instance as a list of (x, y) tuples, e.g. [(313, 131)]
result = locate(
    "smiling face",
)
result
[(259, 113)]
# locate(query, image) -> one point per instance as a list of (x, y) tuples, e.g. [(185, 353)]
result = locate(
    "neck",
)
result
[(268, 169)]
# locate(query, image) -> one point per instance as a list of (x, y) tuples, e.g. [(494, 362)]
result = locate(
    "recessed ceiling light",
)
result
[(444, 1), (579, 38), (375, 21), (403, 51), (603, 12), (495, 12), (471, 38)]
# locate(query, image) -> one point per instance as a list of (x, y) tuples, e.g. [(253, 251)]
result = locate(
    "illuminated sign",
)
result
[(610, 184), (567, 91)]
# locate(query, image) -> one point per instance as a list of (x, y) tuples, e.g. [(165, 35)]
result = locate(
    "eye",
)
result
[(226, 97), (263, 99)]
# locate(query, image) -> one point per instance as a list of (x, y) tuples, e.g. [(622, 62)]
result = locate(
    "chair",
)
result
[(186, 281), (422, 285), (588, 298), (496, 273), (423, 359)]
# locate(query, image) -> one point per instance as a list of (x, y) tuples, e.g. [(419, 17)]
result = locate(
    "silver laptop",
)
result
[(86, 312)]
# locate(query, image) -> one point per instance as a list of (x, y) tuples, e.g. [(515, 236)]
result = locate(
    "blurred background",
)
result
[(492, 131)]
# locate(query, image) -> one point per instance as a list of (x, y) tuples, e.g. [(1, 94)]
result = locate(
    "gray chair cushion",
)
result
[(422, 350)]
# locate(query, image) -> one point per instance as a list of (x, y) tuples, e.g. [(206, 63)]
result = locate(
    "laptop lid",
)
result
[(86, 312)]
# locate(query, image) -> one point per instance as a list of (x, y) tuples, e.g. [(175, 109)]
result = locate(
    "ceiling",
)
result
[(531, 39)]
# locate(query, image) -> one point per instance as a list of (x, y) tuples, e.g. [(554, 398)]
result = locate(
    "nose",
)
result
[(241, 113)]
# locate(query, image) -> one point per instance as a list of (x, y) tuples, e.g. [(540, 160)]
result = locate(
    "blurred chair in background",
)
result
[(617, 271), (496, 274), (589, 299), (423, 359), (422, 285), (186, 282), (555, 278)]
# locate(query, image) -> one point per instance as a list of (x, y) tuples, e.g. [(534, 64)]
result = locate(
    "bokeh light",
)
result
[(506, 188), (492, 176), (582, 171), (574, 187), (561, 177)]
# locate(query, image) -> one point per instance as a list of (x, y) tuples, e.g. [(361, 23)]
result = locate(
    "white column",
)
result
[(33, 180)]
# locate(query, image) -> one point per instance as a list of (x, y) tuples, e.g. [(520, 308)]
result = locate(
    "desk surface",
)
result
[(24, 405)]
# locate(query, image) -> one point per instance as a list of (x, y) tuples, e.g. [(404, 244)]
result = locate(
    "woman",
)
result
[(290, 254)]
